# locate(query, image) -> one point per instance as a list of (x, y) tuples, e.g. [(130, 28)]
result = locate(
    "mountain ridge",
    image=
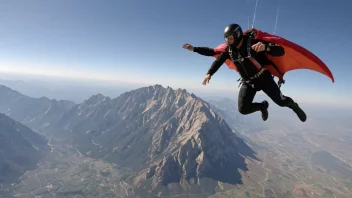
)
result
[(20, 149), (36, 113), (166, 136), (155, 125)]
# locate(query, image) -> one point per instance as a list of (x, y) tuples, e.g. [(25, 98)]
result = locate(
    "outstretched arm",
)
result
[(205, 51)]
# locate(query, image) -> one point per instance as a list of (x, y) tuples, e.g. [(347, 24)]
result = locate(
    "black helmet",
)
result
[(236, 31)]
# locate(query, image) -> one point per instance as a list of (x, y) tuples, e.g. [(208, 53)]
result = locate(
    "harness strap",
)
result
[(254, 61)]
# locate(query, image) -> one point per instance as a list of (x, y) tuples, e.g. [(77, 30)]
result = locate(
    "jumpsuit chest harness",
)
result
[(240, 59)]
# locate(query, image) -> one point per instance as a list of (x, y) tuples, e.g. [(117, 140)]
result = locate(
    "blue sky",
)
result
[(142, 40)]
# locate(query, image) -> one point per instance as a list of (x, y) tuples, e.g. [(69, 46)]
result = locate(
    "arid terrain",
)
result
[(292, 166), (311, 159)]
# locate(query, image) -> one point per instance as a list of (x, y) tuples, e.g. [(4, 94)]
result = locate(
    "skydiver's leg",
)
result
[(274, 92), (245, 102)]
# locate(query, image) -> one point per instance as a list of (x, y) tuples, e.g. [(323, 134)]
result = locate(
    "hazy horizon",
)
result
[(78, 90)]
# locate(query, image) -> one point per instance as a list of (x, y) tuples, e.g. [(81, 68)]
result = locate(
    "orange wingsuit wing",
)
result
[(295, 57)]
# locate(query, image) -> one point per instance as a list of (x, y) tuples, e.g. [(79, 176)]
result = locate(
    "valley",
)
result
[(65, 172), (307, 162)]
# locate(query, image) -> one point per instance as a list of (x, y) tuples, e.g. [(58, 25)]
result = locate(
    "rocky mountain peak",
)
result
[(164, 135), (169, 135), (97, 98), (195, 143)]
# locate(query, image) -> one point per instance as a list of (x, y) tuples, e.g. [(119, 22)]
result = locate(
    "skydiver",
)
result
[(254, 76)]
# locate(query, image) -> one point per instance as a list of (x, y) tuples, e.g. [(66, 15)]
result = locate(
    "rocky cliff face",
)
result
[(169, 135), (20, 149)]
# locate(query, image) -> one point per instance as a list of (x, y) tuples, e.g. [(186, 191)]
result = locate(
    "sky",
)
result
[(141, 41)]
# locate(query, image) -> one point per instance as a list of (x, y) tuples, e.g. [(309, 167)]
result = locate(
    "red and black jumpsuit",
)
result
[(247, 69)]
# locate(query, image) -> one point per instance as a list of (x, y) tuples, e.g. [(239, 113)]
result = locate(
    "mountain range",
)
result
[(165, 136)]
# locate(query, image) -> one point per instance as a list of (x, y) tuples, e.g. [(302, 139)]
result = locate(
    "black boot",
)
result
[(300, 113), (265, 113)]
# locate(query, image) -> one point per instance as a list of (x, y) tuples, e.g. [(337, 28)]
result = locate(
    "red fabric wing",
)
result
[(296, 57)]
